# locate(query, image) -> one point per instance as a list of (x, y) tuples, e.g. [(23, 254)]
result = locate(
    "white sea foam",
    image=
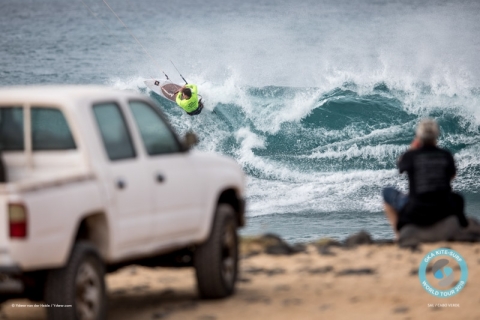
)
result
[(323, 193), (366, 152), (131, 83)]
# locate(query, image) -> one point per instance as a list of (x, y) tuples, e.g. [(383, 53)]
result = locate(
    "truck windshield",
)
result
[(156, 136), (50, 130)]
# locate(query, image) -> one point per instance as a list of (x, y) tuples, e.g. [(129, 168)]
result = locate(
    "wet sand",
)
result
[(367, 282)]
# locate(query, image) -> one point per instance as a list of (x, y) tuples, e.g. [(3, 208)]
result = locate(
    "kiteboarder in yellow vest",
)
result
[(187, 99)]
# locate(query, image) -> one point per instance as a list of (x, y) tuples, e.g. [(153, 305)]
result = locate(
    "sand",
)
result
[(367, 282)]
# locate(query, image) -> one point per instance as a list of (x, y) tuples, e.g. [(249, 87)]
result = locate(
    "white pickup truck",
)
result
[(96, 179)]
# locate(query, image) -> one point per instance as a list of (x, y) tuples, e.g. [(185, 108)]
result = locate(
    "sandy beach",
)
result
[(375, 281)]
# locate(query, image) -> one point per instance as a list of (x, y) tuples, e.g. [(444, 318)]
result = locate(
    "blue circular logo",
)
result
[(442, 264)]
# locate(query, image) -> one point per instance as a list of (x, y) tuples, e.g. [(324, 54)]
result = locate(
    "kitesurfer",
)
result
[(187, 99)]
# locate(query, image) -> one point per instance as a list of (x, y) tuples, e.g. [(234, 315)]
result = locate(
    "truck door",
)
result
[(172, 175), (127, 181)]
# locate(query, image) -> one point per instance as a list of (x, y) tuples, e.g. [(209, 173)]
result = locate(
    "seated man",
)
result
[(430, 170), (187, 99)]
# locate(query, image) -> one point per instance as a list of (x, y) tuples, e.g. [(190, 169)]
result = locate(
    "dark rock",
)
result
[(250, 254), (467, 235), (272, 236), (443, 230), (160, 314), (279, 249), (268, 272), (327, 242), (382, 242), (414, 246), (447, 229), (257, 299), (298, 248), (271, 244), (324, 245), (244, 280), (401, 309), (354, 272), (360, 238), (277, 246), (275, 271), (254, 270), (325, 251), (319, 270), (284, 249)]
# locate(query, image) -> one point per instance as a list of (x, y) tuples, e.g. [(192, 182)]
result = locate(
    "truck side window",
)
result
[(114, 131), (11, 129), (156, 135), (50, 130)]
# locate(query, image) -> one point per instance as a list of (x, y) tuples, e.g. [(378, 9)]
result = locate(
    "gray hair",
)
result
[(428, 131)]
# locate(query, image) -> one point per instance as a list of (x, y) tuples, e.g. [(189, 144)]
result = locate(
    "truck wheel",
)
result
[(78, 288), (216, 260)]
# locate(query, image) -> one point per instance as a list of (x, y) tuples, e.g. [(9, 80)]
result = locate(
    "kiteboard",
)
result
[(164, 88), (168, 90)]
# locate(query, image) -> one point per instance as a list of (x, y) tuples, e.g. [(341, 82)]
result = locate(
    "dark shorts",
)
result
[(196, 111), (396, 199)]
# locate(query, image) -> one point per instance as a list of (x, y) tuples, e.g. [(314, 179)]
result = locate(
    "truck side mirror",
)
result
[(190, 140)]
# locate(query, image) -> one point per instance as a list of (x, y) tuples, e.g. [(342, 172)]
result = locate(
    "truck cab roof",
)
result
[(59, 94)]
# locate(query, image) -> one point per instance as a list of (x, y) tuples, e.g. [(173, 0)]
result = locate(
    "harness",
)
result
[(198, 110)]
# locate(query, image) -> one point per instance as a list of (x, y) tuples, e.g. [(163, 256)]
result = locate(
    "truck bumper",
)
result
[(10, 270), (9, 281), (10, 273)]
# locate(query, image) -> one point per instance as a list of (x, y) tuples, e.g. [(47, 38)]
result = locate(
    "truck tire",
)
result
[(78, 288), (216, 260)]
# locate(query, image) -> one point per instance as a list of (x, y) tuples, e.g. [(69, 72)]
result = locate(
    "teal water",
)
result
[(314, 99)]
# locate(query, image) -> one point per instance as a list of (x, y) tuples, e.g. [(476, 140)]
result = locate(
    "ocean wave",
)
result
[(308, 150)]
